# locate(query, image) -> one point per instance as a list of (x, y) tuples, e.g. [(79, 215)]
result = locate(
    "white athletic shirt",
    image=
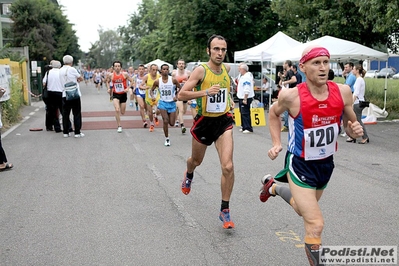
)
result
[(166, 90)]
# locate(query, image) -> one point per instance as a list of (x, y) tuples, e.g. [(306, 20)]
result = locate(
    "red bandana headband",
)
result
[(315, 52)]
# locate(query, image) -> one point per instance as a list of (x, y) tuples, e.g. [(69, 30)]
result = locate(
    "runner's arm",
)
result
[(107, 81), (275, 111), (143, 85), (129, 78), (187, 92), (154, 86), (177, 84)]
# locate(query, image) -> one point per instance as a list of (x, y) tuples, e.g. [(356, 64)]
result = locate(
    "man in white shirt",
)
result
[(70, 74), (245, 94), (54, 101)]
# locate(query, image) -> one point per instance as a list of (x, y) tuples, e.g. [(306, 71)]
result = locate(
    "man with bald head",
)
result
[(315, 108)]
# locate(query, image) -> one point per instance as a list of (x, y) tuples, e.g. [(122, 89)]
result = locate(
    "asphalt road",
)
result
[(115, 199)]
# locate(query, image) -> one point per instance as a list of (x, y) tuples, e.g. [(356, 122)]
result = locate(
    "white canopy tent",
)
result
[(159, 63), (263, 52), (339, 50)]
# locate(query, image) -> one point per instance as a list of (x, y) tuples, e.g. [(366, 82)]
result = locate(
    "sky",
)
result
[(88, 15)]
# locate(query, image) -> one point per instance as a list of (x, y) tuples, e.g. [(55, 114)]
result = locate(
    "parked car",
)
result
[(386, 72), (371, 74), (396, 76)]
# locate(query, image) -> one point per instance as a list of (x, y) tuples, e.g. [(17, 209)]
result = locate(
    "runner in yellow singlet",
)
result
[(209, 84), (151, 103)]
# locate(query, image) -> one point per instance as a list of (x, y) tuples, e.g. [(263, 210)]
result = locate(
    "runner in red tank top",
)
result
[(314, 115), (119, 90), (181, 75)]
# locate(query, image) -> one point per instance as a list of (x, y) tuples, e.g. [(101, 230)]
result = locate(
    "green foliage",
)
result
[(173, 29), (5, 52), (10, 109), (41, 25), (375, 93), (104, 51), (371, 23)]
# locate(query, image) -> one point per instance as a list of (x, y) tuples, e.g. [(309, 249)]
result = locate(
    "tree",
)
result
[(384, 16), (140, 37), (243, 23), (106, 50), (41, 25), (173, 29), (364, 22)]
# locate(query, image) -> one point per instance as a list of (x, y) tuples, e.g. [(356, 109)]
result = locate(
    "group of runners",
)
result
[(315, 108), (153, 91)]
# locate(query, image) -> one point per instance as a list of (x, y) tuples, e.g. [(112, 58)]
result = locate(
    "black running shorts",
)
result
[(206, 130), (122, 97)]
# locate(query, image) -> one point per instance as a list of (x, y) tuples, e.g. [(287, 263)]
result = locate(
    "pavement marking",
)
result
[(290, 237)]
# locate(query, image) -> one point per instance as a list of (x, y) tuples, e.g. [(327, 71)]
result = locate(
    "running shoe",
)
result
[(151, 128), (224, 216), (186, 184), (183, 130), (131, 104), (267, 182), (177, 123), (119, 129), (80, 135), (145, 124), (167, 142), (156, 121), (284, 129)]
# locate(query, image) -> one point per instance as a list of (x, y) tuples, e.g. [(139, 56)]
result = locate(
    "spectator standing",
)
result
[(297, 74), (266, 91), (245, 94), (350, 80), (358, 95), (4, 164), (54, 100), (70, 74), (289, 81)]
